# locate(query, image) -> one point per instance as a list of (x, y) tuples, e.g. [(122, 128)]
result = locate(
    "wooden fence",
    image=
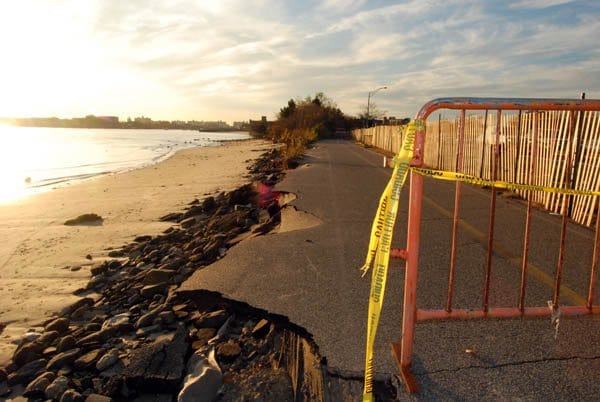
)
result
[(515, 148)]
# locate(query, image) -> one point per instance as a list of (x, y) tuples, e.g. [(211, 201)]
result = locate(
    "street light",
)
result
[(369, 103)]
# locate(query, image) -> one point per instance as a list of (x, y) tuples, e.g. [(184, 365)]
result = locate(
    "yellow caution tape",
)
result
[(380, 244), (454, 176)]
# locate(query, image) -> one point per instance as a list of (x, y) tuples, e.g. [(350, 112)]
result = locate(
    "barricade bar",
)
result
[(503, 312), (508, 104)]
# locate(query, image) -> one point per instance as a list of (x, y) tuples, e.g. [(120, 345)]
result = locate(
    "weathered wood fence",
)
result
[(515, 152)]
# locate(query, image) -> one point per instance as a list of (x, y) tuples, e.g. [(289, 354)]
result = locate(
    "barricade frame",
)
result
[(404, 349)]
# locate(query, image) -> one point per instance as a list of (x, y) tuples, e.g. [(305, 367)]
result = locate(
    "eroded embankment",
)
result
[(133, 335)]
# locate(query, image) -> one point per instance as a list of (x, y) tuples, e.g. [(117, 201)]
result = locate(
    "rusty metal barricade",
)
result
[(403, 350)]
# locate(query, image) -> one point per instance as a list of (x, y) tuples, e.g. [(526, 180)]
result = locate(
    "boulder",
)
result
[(97, 337), (63, 358), (75, 306), (61, 325), (229, 351), (203, 379), (150, 290), (98, 398), (27, 352), (108, 360), (71, 395), (158, 366), (27, 372), (37, 387), (57, 388), (212, 320), (87, 360), (66, 343), (158, 276)]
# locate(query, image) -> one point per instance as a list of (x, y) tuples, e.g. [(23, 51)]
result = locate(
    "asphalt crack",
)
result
[(508, 364)]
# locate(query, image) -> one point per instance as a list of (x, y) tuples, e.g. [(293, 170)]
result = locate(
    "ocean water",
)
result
[(35, 159)]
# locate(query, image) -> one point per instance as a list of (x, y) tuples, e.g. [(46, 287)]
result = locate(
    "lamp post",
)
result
[(369, 104)]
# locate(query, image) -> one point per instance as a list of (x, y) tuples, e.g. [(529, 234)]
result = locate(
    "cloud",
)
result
[(537, 4), (235, 59)]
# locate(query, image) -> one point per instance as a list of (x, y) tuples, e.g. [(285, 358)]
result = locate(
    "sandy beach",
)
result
[(42, 261)]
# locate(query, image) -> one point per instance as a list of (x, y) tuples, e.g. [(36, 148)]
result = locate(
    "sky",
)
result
[(237, 59)]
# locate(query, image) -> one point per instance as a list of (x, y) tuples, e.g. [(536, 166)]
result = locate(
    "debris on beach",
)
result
[(85, 219)]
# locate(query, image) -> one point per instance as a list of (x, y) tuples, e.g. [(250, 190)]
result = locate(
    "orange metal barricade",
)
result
[(403, 350)]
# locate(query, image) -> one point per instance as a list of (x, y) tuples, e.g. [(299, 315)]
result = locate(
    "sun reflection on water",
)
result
[(16, 158)]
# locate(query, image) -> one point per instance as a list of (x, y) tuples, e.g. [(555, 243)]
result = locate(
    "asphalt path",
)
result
[(312, 276)]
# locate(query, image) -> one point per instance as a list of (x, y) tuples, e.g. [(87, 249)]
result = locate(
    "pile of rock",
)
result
[(131, 335), (268, 169)]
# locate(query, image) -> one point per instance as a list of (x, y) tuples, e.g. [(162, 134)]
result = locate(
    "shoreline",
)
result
[(40, 179), (43, 261)]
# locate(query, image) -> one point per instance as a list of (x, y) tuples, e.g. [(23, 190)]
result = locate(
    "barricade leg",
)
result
[(403, 351)]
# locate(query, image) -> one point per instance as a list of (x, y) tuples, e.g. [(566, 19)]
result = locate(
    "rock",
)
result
[(203, 335), (66, 343), (145, 331), (27, 372), (63, 359), (167, 317), (30, 336), (211, 250), (81, 313), (49, 351), (3, 375), (149, 317), (71, 395), (57, 388), (172, 217), (212, 320), (99, 269), (142, 239), (97, 337), (108, 360), (188, 222), (116, 321), (92, 327), (87, 360), (86, 301), (61, 325), (36, 388), (47, 338), (261, 329), (89, 257), (27, 353), (98, 398), (96, 283), (203, 379), (4, 389), (209, 204), (158, 366), (151, 290), (228, 352), (116, 253), (85, 219), (158, 276)]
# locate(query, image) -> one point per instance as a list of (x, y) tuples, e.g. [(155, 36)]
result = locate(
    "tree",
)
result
[(288, 110), (374, 113), (302, 121)]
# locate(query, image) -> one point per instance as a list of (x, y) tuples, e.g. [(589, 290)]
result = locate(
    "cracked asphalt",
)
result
[(312, 277)]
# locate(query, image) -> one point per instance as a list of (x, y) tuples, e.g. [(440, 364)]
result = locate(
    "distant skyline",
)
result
[(235, 60)]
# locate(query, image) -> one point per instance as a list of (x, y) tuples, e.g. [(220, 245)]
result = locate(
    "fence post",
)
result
[(578, 133)]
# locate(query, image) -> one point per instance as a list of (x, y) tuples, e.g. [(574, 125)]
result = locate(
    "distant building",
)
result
[(259, 127), (241, 125)]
